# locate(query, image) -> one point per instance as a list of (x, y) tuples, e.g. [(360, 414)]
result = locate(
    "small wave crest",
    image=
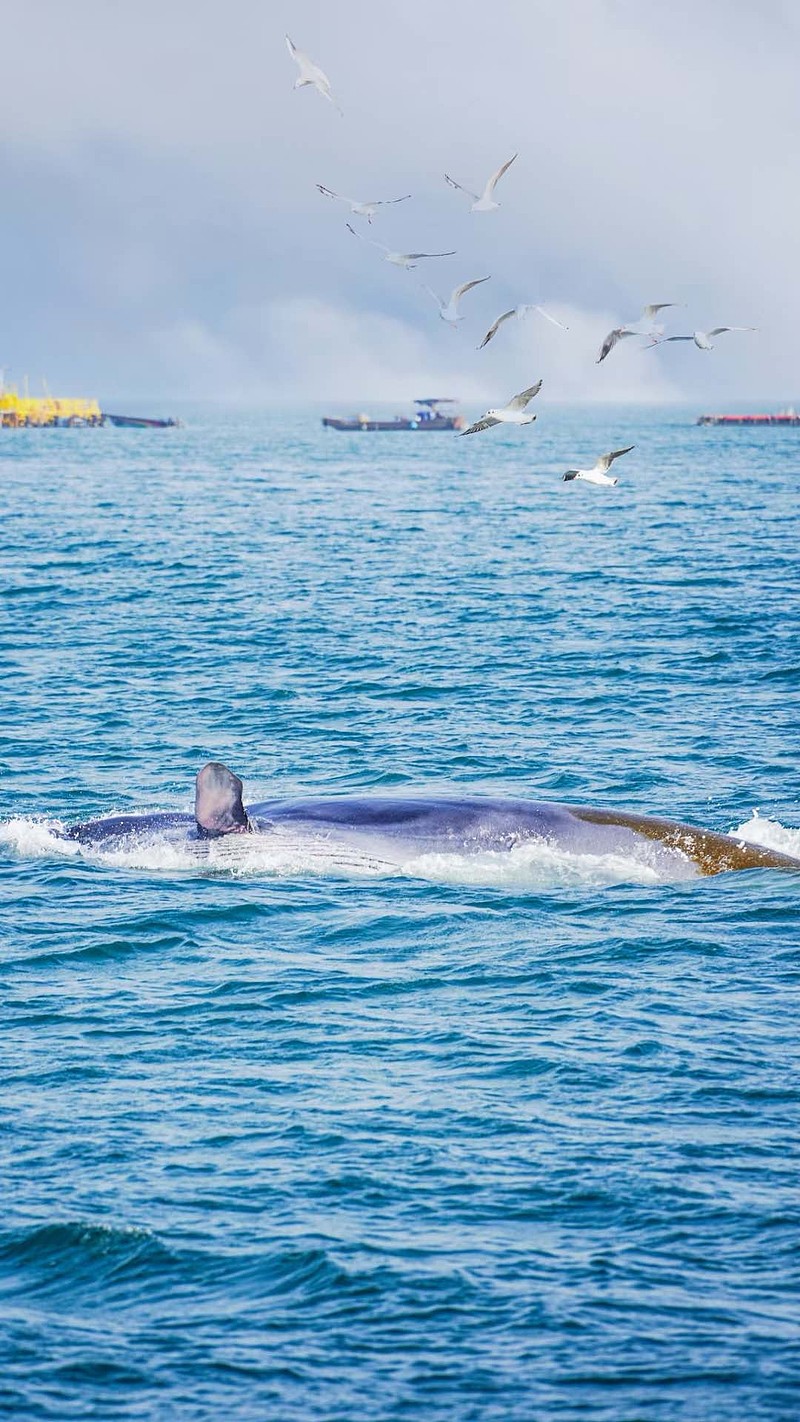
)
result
[(70, 1255)]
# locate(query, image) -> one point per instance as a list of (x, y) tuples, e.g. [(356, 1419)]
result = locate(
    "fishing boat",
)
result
[(428, 415), (139, 422)]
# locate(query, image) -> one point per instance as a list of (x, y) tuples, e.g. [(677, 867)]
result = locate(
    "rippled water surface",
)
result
[(286, 1134)]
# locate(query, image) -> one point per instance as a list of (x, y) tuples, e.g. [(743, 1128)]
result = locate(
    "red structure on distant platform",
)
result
[(783, 417)]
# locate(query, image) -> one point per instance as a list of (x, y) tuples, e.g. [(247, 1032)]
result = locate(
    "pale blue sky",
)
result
[(162, 232)]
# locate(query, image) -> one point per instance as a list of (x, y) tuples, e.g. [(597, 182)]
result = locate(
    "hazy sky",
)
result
[(162, 234)]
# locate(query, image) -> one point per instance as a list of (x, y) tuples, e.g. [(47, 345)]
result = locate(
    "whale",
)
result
[(401, 828)]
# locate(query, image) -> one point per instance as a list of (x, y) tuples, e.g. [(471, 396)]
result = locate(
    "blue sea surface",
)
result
[(289, 1136)]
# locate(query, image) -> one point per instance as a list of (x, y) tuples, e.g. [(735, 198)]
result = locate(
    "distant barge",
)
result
[(427, 416), (783, 417)]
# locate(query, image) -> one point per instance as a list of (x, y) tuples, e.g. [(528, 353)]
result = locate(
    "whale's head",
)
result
[(218, 807)]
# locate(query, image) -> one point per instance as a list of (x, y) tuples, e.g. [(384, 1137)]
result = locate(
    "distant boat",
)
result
[(781, 417), (427, 416), (139, 422)]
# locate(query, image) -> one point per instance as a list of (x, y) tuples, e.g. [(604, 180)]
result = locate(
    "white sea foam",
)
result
[(536, 864), (37, 839), (771, 834), (276, 854)]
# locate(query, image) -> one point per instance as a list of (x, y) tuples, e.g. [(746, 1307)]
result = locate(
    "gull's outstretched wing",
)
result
[(484, 424), (606, 460), (387, 202), (464, 287), (461, 188), (650, 312), (525, 396), (495, 178), (720, 330), (546, 315), (492, 331), (610, 341), (328, 192), (417, 256), (371, 240), (441, 304)]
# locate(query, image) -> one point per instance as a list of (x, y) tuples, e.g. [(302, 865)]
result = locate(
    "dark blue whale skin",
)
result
[(414, 826), (439, 823)]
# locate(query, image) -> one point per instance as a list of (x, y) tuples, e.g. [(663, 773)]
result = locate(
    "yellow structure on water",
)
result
[(24, 411)]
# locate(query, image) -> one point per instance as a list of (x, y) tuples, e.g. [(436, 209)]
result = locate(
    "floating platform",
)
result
[(22, 412), (46, 411), (782, 417)]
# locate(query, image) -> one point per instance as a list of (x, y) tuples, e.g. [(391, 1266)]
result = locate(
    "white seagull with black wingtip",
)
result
[(448, 310), (511, 414), (598, 474), (361, 209), (483, 202), (310, 73), (619, 333), (407, 260), (702, 339), (520, 312)]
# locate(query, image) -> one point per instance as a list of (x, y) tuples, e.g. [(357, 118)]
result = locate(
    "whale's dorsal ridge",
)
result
[(218, 807)]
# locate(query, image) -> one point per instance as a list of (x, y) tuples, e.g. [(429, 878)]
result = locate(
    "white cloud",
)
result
[(304, 348)]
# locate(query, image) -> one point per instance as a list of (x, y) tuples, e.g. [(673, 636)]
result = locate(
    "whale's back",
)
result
[(474, 821)]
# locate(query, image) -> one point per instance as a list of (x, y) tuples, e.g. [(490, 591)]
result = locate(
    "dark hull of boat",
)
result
[(444, 422), (138, 422)]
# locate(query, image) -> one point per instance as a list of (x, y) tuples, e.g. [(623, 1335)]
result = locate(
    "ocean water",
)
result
[(294, 1135)]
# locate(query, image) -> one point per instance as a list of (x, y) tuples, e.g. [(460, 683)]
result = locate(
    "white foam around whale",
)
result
[(770, 834)]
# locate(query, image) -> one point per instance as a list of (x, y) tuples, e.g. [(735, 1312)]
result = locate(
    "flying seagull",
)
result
[(618, 334), (310, 73), (407, 260), (483, 202), (361, 209), (510, 414), (650, 312), (702, 339), (448, 310), (599, 473), (520, 312)]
